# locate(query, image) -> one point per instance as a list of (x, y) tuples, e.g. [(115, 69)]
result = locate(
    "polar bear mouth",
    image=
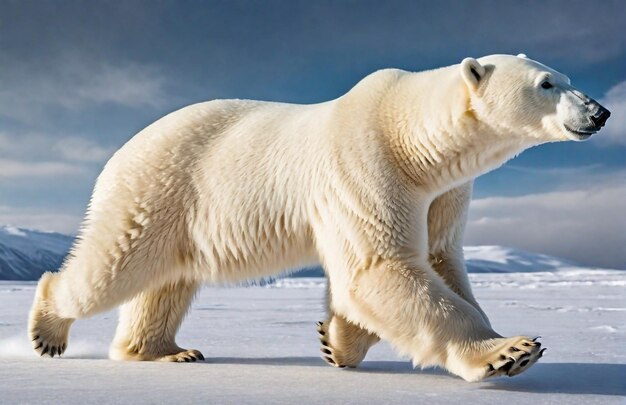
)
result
[(582, 133)]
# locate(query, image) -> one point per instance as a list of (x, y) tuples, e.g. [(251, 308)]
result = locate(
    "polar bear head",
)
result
[(517, 95)]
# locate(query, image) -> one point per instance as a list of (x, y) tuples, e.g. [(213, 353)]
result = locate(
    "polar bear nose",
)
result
[(600, 116)]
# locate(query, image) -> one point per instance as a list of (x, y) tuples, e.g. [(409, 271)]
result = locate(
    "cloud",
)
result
[(81, 150), (14, 168), (29, 93), (132, 85), (587, 226), (36, 156), (36, 219), (615, 130), (35, 147)]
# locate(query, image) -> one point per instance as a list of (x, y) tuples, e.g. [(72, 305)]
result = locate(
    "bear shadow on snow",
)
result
[(546, 378), (383, 366), (567, 378)]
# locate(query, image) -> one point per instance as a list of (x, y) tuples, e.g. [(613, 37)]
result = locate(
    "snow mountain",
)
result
[(501, 259), (25, 254), (493, 259)]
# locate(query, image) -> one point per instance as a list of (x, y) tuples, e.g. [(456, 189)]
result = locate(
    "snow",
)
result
[(261, 347), (11, 230)]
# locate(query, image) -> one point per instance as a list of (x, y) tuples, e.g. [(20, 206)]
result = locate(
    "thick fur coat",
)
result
[(375, 185)]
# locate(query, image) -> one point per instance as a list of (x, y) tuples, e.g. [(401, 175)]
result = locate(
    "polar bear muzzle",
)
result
[(591, 115)]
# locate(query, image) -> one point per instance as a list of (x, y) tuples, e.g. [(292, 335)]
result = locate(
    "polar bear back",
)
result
[(230, 181)]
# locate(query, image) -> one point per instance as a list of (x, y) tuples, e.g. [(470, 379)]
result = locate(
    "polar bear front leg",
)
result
[(344, 344), (409, 305), (148, 324)]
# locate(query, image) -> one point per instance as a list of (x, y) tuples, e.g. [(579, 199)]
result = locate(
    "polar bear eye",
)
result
[(546, 85)]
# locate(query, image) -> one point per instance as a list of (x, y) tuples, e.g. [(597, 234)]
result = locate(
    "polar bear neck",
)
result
[(433, 133)]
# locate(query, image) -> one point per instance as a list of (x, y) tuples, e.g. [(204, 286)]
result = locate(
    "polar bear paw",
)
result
[(513, 357), (344, 344), (185, 356), (47, 331), (122, 350)]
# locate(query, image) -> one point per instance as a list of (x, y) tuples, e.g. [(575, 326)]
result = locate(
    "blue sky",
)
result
[(78, 79)]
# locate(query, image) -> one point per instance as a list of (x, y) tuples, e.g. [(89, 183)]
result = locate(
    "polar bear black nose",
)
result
[(600, 116)]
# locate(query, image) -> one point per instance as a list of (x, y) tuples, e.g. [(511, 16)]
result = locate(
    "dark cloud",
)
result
[(222, 41)]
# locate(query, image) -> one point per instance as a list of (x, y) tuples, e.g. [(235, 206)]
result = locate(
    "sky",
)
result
[(78, 79)]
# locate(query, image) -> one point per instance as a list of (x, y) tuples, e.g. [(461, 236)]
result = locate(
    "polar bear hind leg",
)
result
[(91, 281), (148, 324), (72, 294)]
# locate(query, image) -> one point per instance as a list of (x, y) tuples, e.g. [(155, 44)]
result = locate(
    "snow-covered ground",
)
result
[(261, 347)]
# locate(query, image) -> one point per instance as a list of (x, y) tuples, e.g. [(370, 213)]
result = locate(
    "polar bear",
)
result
[(375, 185)]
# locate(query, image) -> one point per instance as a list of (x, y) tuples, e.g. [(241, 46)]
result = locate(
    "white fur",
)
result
[(374, 185)]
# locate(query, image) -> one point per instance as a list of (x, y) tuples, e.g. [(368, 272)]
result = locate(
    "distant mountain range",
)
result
[(25, 254), (494, 259)]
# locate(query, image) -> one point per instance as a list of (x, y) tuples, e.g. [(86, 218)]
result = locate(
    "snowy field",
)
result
[(261, 347)]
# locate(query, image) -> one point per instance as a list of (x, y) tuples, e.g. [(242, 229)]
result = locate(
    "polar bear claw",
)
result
[(184, 356), (515, 359), (328, 354)]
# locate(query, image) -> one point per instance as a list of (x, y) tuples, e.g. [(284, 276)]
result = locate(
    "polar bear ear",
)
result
[(472, 72)]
